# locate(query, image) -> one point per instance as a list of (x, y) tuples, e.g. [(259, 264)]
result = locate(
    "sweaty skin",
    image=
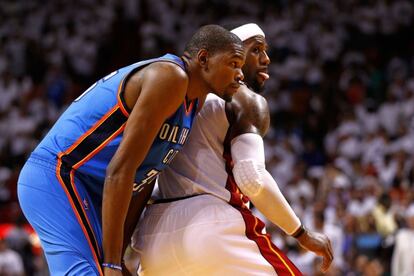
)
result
[(248, 112)]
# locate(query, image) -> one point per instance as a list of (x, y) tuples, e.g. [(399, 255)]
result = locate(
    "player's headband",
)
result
[(247, 31)]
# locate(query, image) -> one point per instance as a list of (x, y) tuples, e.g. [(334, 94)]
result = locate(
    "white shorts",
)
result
[(204, 235)]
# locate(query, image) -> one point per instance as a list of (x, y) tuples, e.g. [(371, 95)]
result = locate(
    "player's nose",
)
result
[(239, 75), (265, 59)]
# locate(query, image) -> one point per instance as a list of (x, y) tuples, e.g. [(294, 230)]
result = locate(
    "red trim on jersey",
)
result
[(255, 227), (92, 129), (188, 109), (101, 146), (120, 102), (77, 210), (95, 254), (86, 134), (254, 232)]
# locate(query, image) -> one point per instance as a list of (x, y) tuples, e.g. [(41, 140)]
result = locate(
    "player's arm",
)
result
[(249, 120), (136, 206), (162, 90)]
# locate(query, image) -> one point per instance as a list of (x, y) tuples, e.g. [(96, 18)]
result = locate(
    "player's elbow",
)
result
[(116, 173), (248, 175)]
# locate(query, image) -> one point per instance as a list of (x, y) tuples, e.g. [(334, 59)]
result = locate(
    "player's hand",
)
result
[(320, 245), (125, 271), (111, 272)]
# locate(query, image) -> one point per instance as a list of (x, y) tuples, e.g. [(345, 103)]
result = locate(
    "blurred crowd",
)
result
[(341, 96)]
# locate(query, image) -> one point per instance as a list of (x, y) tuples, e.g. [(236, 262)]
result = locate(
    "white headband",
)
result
[(247, 31)]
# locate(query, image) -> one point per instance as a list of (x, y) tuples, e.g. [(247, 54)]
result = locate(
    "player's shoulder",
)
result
[(167, 71), (246, 102), (169, 67), (250, 112)]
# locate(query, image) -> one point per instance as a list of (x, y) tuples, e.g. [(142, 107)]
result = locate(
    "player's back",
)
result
[(200, 167), (99, 111)]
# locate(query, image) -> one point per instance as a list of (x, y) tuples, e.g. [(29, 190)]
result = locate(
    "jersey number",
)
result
[(93, 85), (148, 178)]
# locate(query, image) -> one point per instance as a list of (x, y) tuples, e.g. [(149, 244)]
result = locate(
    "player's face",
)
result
[(257, 61), (224, 72)]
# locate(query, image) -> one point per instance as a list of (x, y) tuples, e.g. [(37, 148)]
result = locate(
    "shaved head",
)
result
[(212, 38)]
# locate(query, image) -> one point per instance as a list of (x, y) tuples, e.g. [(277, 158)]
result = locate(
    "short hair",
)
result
[(212, 38)]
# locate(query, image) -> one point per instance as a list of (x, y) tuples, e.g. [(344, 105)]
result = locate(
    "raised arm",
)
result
[(249, 120), (161, 91)]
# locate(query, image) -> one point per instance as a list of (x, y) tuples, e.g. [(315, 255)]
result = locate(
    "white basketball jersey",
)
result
[(200, 166), (234, 242)]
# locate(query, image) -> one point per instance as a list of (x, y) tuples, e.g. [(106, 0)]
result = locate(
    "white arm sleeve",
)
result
[(255, 181)]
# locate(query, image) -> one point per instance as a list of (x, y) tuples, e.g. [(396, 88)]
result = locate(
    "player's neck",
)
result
[(195, 91), (196, 86)]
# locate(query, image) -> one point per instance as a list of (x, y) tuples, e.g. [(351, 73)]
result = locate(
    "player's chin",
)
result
[(260, 82), (229, 92), (224, 94), (259, 85)]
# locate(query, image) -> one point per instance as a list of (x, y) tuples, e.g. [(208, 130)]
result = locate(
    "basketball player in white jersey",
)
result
[(201, 223)]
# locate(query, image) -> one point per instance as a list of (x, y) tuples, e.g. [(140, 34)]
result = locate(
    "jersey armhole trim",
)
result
[(121, 99), (121, 88)]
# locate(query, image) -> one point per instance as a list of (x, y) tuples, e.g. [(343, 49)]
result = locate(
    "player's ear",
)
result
[(202, 57)]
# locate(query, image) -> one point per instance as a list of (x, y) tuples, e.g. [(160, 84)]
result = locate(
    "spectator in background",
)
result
[(19, 240), (403, 257), (10, 262), (384, 216), (341, 55)]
